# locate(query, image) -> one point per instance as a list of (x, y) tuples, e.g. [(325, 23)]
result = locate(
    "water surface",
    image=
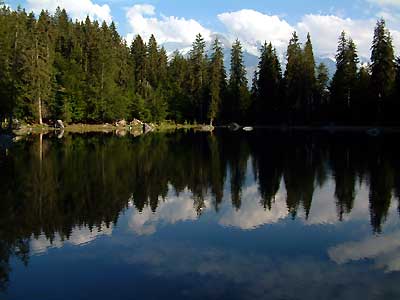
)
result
[(229, 215)]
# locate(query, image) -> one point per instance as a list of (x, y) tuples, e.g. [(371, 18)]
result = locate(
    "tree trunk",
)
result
[(40, 110), (14, 75), (39, 100)]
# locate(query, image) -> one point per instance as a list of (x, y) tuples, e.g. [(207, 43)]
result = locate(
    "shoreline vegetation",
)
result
[(122, 130), (32, 129), (83, 72)]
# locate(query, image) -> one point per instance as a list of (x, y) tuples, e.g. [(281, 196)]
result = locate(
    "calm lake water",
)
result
[(232, 215)]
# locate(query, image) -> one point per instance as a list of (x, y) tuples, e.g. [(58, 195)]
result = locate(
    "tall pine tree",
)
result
[(309, 80), (293, 80), (344, 80), (217, 75), (267, 86), (237, 103), (382, 69)]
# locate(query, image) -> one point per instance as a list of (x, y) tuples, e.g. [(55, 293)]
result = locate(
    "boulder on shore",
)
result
[(121, 132), (59, 124), (234, 126), (147, 128), (206, 128), (136, 123), (121, 123)]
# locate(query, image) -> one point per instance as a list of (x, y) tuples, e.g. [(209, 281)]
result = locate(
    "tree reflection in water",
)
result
[(49, 186)]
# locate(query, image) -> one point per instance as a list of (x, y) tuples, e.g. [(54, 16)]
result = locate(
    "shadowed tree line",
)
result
[(50, 186), (82, 71)]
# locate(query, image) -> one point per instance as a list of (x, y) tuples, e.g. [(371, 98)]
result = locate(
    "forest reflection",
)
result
[(50, 187)]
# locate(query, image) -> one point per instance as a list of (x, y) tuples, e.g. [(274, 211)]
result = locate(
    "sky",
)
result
[(176, 22)]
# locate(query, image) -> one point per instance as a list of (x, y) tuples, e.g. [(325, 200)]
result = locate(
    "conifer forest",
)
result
[(52, 67)]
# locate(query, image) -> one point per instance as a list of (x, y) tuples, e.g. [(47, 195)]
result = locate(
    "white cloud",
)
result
[(325, 31), (77, 9), (174, 209), (384, 250), (388, 9), (385, 2), (144, 21), (252, 28), (79, 236), (251, 215)]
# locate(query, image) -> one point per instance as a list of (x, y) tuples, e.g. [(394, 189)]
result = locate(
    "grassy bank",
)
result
[(28, 129)]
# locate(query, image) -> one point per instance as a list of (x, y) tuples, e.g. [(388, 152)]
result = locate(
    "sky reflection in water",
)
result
[(185, 215)]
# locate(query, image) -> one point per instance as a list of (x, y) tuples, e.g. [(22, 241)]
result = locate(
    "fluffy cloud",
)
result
[(251, 215), (253, 28), (384, 250), (79, 236), (144, 21), (325, 30), (77, 9), (389, 10), (386, 2), (174, 209)]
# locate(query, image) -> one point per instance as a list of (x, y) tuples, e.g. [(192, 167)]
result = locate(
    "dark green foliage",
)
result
[(217, 86), (198, 79), (309, 80), (53, 68), (237, 104), (293, 79), (383, 74), (396, 94), (321, 94), (382, 62), (267, 86), (344, 80)]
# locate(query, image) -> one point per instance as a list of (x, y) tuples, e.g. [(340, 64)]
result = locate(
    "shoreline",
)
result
[(138, 130), (103, 128)]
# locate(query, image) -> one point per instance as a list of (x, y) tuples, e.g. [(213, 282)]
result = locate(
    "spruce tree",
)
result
[(152, 62), (267, 85), (309, 80), (198, 69), (396, 101), (63, 65), (321, 92), (139, 57), (238, 100), (217, 75), (162, 67), (382, 62), (344, 80), (6, 104), (40, 67), (293, 79), (178, 86), (383, 71)]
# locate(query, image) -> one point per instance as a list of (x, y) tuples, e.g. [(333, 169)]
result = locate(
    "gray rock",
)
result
[(136, 122), (147, 128), (374, 132), (59, 124), (234, 126), (206, 128), (121, 123)]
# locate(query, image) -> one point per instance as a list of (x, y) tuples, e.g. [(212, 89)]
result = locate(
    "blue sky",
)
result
[(175, 22)]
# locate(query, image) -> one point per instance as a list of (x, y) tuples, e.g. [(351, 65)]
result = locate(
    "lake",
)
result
[(186, 215)]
